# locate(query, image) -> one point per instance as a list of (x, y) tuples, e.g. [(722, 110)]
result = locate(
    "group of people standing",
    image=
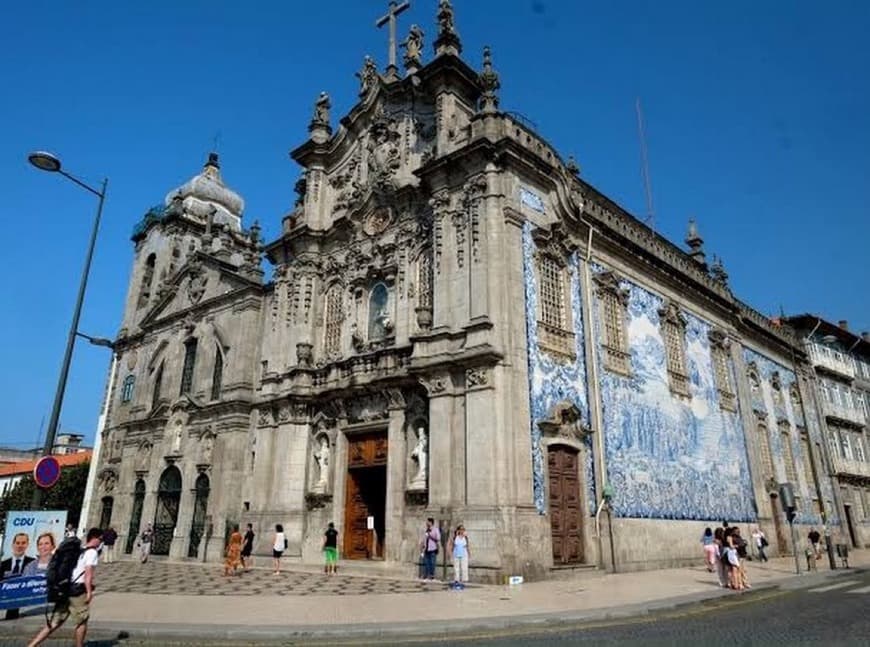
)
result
[(238, 555), (725, 553)]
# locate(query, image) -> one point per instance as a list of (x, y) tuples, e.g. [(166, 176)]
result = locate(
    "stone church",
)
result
[(454, 324)]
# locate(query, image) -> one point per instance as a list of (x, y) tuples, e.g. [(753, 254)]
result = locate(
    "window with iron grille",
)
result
[(764, 451), (158, 384), (788, 456), (722, 374), (555, 333), (217, 376), (424, 279), (189, 365), (127, 390), (552, 293), (333, 320), (615, 338), (673, 331)]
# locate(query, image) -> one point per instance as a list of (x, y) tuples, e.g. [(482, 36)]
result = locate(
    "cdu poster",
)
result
[(28, 543)]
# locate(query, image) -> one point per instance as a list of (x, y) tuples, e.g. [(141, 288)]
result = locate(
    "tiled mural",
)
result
[(552, 381), (668, 457), (780, 407)]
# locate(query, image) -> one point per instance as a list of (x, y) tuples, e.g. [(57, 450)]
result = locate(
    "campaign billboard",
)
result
[(28, 542)]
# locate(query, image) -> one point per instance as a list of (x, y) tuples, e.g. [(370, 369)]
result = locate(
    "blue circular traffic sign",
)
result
[(46, 472)]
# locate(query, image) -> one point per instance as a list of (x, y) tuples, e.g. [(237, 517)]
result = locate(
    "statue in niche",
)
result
[(207, 448), (322, 458), (421, 455), (176, 439)]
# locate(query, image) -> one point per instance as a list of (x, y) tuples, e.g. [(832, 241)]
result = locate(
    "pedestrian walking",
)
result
[(461, 551), (330, 550), (145, 540), (279, 545), (721, 565), (760, 543), (709, 544), (815, 541), (233, 554), (248, 548), (429, 548), (109, 539), (77, 606)]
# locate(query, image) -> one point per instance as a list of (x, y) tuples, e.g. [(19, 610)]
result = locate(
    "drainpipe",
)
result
[(592, 390)]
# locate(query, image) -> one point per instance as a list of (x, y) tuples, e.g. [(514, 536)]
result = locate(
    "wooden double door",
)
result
[(365, 497), (565, 505)]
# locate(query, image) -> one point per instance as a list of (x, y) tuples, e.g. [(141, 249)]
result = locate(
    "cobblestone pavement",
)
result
[(169, 578)]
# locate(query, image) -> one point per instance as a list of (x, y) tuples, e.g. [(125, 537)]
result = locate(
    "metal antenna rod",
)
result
[(644, 169)]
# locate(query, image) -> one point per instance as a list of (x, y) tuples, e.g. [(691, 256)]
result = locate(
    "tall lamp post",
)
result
[(48, 162)]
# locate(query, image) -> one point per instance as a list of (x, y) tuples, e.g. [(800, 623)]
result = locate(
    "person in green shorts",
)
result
[(330, 549)]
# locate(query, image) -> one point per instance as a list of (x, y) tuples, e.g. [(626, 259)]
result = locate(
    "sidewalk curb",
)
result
[(433, 629)]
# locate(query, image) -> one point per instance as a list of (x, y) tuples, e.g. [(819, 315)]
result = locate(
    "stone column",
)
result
[(442, 255), (479, 431), (443, 487), (480, 207), (396, 477), (181, 536)]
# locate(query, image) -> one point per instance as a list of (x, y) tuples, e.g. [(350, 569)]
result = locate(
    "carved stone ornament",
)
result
[(365, 408), (264, 417), (489, 83), (108, 478), (320, 118), (368, 76), (564, 421), (395, 398), (424, 317), (476, 377), (378, 221), (413, 45), (436, 384), (143, 456), (317, 500), (607, 281), (384, 157), (760, 415), (197, 282), (670, 313), (132, 357), (304, 354), (718, 339)]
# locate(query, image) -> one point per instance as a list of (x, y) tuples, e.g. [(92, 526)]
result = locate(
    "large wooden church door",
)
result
[(565, 517), (365, 497)]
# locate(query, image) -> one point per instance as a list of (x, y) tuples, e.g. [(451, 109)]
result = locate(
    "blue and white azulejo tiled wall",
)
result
[(782, 413), (552, 381), (669, 457)]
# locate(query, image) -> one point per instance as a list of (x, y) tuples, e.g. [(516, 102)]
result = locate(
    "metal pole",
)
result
[(610, 534), (51, 432), (794, 542)]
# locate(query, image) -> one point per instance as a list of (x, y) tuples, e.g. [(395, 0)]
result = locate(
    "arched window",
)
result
[(189, 365), (147, 279), (158, 384), (127, 389), (379, 319), (218, 373), (333, 318)]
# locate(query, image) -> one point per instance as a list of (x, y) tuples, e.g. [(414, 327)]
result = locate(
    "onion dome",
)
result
[(206, 192)]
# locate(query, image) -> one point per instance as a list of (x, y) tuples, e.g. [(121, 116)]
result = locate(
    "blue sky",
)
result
[(756, 116)]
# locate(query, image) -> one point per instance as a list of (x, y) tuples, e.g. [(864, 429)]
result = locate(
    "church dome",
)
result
[(207, 190)]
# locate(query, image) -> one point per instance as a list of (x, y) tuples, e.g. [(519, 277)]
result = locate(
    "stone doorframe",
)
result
[(564, 426)]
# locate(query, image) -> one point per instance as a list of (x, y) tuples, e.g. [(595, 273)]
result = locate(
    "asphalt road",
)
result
[(833, 613)]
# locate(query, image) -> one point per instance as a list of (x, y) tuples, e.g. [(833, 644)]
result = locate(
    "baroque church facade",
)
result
[(456, 325)]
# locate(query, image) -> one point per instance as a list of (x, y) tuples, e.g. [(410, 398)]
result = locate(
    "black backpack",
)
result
[(58, 577)]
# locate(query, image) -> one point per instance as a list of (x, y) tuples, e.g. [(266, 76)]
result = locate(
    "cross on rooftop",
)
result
[(390, 18)]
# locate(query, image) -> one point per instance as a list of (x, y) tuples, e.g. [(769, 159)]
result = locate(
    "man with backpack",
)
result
[(70, 585)]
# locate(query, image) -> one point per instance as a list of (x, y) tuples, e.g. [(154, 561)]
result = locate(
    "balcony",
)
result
[(847, 414), (846, 467), (832, 360)]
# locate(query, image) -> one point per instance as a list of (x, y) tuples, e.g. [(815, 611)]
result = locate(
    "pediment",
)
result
[(199, 281)]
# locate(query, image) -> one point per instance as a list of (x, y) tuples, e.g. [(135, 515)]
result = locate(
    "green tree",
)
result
[(67, 494)]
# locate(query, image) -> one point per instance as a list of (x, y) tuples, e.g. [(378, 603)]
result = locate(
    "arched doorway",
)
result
[(563, 465), (200, 506), (166, 515), (106, 512), (135, 515)]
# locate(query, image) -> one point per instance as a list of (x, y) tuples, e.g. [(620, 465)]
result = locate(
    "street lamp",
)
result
[(47, 162)]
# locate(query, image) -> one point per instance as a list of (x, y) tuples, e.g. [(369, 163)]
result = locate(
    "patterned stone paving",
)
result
[(197, 579)]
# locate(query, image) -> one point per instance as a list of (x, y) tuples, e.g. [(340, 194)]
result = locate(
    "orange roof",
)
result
[(26, 467)]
